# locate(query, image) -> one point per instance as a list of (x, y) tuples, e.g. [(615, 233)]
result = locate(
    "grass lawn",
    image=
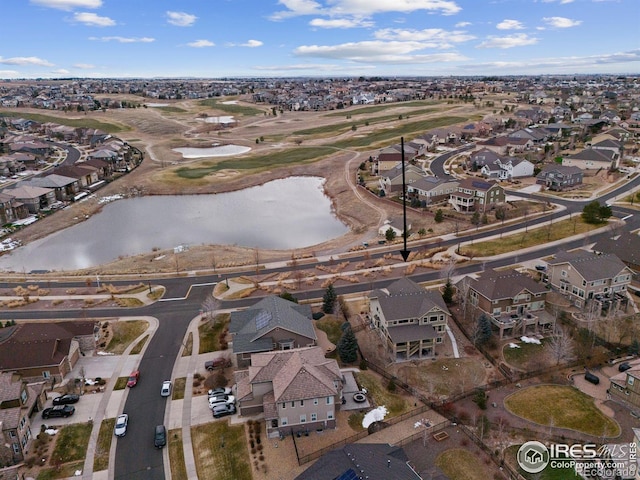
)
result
[(330, 325), (460, 464), (105, 436), (547, 474), (396, 404), (444, 377), (71, 444), (231, 108), (564, 406), (65, 471), (381, 108), (521, 358), (213, 460), (179, 385), (138, 346), (121, 383), (210, 333), (176, 455), (124, 333), (188, 346), (537, 236)]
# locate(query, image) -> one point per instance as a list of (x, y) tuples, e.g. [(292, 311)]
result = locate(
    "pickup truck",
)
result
[(220, 362)]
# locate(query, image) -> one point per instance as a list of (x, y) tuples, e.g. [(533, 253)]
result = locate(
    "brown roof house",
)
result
[(297, 390), (411, 320), (19, 400), (625, 385), (513, 301), (35, 198), (45, 350), (477, 195), (271, 324)]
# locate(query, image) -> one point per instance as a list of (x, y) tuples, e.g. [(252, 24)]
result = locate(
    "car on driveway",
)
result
[(66, 399), (624, 366), (223, 409), (219, 362), (160, 436), (121, 425), (58, 411), (221, 399), (133, 378), (165, 391), (219, 391)]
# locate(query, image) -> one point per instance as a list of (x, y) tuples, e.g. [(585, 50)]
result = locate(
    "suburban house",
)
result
[(432, 190), (8, 211), (391, 180), (46, 350), (513, 301), (35, 198), (271, 324), (626, 385), (374, 461), (396, 225), (505, 145), (410, 320), (477, 195), (65, 188), (625, 246), (560, 177), (537, 135), (297, 390), (507, 168), (585, 276), (19, 400), (593, 159), (85, 174)]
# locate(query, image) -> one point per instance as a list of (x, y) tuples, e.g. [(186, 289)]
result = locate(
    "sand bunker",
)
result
[(217, 151)]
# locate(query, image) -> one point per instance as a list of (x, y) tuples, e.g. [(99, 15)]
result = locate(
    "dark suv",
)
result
[(58, 411), (160, 438), (66, 399)]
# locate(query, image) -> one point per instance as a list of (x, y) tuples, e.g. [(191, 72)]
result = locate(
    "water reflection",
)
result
[(282, 214)]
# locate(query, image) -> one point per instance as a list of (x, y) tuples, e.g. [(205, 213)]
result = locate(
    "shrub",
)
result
[(391, 386)]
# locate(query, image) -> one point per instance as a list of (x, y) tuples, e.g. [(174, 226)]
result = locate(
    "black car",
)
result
[(66, 399), (160, 438), (58, 411), (624, 366), (223, 409)]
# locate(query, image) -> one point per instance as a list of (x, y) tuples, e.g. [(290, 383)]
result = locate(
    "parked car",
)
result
[(133, 378), (219, 391), (66, 399), (219, 362), (58, 411), (160, 437), (624, 366), (221, 399), (121, 425), (165, 391), (223, 409), (591, 378)]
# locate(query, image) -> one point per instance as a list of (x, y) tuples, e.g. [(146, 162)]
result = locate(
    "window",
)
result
[(314, 417), (439, 340), (329, 415), (563, 273), (315, 401), (284, 421), (23, 396), (284, 405), (12, 434), (46, 374), (303, 418), (293, 404), (630, 380), (16, 447), (329, 400), (302, 403)]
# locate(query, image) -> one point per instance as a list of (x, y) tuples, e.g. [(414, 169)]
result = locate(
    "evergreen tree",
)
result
[(439, 217), (447, 293), (634, 348), (329, 299), (390, 234), (288, 296), (482, 332), (348, 346)]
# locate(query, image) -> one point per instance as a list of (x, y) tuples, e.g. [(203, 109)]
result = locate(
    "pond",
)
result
[(283, 214)]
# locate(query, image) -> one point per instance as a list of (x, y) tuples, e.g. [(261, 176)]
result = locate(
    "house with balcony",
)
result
[(593, 159), (410, 320), (477, 195), (391, 180), (19, 400), (34, 198), (273, 323), (585, 277), (560, 177), (513, 301), (297, 390), (432, 190)]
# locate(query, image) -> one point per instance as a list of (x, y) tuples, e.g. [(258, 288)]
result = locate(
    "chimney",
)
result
[(55, 347)]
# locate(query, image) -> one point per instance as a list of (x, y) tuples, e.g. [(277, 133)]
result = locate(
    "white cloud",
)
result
[(341, 23), (84, 66), (561, 22), (439, 38), (8, 73), (252, 44), (510, 25), (510, 41), (124, 39), (26, 61), (68, 4), (201, 44), (61, 71), (377, 51), (462, 24), (93, 20), (181, 19), (363, 8), (561, 2)]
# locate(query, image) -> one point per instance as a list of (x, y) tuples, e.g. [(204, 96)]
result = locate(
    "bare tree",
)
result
[(463, 296), (561, 346), (449, 269), (209, 307)]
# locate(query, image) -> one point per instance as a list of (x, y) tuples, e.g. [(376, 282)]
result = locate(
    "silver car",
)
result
[(121, 425)]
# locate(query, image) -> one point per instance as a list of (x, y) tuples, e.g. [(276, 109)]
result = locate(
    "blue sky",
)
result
[(278, 38)]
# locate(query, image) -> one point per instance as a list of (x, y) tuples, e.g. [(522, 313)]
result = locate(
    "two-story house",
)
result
[(512, 300), (626, 385), (411, 321), (477, 195), (297, 390), (585, 276), (432, 190), (560, 177), (18, 401), (273, 323)]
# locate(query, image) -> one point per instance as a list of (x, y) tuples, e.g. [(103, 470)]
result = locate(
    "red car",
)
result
[(133, 378)]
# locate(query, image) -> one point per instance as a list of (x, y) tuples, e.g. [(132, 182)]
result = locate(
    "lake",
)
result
[(282, 215)]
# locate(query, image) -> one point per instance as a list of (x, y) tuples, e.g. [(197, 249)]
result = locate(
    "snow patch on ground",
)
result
[(375, 415), (530, 340)]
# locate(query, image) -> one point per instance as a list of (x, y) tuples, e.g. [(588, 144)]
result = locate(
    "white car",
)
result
[(219, 391), (166, 388), (221, 399), (121, 425)]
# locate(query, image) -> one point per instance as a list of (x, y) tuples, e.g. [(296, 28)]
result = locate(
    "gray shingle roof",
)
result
[(590, 265), (626, 247), (406, 299), (504, 284)]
